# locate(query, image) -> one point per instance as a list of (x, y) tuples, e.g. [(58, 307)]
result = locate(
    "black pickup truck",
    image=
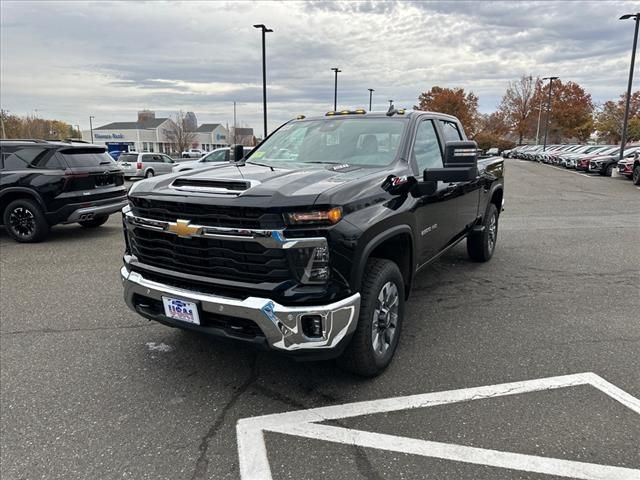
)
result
[(310, 244)]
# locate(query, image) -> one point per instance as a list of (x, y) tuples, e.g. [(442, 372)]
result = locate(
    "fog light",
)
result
[(312, 326)]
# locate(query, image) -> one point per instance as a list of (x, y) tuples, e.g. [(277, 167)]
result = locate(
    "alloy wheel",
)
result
[(22, 222), (385, 319), (493, 232)]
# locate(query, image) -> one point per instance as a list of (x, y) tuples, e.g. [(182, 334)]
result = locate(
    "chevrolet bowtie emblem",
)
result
[(183, 229)]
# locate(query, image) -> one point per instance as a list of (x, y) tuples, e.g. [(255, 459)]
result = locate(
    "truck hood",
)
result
[(293, 185)]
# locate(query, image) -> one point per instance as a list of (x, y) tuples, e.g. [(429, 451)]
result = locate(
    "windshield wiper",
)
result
[(327, 163), (261, 164)]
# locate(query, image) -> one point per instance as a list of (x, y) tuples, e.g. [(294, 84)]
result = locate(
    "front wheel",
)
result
[(481, 245), (608, 171), (381, 313), (95, 222), (25, 221), (636, 175)]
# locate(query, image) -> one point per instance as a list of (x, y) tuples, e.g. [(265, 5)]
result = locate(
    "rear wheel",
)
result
[(95, 221), (379, 324), (25, 221), (481, 245), (149, 174), (636, 175)]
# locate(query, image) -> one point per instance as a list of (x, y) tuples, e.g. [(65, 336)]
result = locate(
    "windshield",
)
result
[(356, 141)]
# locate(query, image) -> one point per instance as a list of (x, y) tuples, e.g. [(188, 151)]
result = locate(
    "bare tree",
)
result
[(179, 134), (517, 105)]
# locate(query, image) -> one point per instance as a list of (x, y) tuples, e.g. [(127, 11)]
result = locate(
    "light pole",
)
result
[(538, 129), (371, 90), (335, 88), (636, 17), (91, 117), (546, 129), (265, 30)]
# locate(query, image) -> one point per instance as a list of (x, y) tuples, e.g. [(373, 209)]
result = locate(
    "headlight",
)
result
[(331, 216)]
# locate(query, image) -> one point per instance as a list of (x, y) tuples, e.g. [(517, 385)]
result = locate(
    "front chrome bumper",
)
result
[(281, 325)]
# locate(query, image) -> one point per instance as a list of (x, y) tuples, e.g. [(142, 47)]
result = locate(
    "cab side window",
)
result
[(450, 131), (426, 148)]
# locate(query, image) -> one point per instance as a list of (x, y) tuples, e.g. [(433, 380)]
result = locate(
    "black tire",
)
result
[(148, 174), (481, 245), (95, 222), (607, 171), (25, 221), (635, 176), (360, 356)]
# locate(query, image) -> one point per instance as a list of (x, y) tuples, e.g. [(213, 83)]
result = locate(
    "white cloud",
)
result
[(70, 60)]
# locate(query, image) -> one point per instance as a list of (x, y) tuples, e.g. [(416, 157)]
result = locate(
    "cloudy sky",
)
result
[(71, 59)]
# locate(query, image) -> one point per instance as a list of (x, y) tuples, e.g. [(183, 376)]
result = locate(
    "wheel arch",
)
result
[(8, 195), (395, 244)]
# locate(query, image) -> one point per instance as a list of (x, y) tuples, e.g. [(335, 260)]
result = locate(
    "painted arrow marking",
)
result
[(254, 463)]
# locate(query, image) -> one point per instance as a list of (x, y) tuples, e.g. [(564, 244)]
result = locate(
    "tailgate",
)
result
[(90, 169)]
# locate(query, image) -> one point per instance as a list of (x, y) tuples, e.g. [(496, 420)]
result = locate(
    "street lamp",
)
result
[(636, 17), (371, 90), (335, 88), (546, 129), (91, 117), (265, 30)]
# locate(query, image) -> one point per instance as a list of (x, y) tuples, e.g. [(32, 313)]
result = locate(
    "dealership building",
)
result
[(151, 134)]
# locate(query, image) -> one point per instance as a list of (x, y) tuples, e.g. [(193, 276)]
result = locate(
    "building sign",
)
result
[(108, 135)]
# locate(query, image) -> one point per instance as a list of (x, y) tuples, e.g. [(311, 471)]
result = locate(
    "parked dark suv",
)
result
[(46, 183)]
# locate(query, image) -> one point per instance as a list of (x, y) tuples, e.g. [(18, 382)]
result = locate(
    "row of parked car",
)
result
[(146, 165), (602, 159)]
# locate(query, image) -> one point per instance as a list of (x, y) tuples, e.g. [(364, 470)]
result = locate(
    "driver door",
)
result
[(435, 214)]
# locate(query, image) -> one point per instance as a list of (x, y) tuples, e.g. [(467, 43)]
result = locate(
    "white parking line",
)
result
[(254, 463)]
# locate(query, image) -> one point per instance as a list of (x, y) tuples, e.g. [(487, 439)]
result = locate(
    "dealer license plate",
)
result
[(181, 310)]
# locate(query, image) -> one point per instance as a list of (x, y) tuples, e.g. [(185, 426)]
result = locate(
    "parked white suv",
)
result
[(217, 156), (144, 165), (193, 153)]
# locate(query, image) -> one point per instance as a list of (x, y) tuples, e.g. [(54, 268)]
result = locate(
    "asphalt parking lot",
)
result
[(90, 390)]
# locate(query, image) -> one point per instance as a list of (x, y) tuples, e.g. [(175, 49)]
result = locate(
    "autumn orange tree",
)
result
[(608, 120), (571, 111), (517, 106), (452, 101)]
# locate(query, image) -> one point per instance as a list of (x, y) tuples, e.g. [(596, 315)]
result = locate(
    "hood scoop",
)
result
[(219, 186)]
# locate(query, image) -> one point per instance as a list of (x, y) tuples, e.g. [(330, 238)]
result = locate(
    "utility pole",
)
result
[(91, 117), (265, 30), (625, 122), (371, 90), (2, 113), (234, 123), (335, 88), (539, 115), (546, 130)]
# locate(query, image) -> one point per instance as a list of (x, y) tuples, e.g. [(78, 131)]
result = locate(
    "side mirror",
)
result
[(237, 153), (460, 163)]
